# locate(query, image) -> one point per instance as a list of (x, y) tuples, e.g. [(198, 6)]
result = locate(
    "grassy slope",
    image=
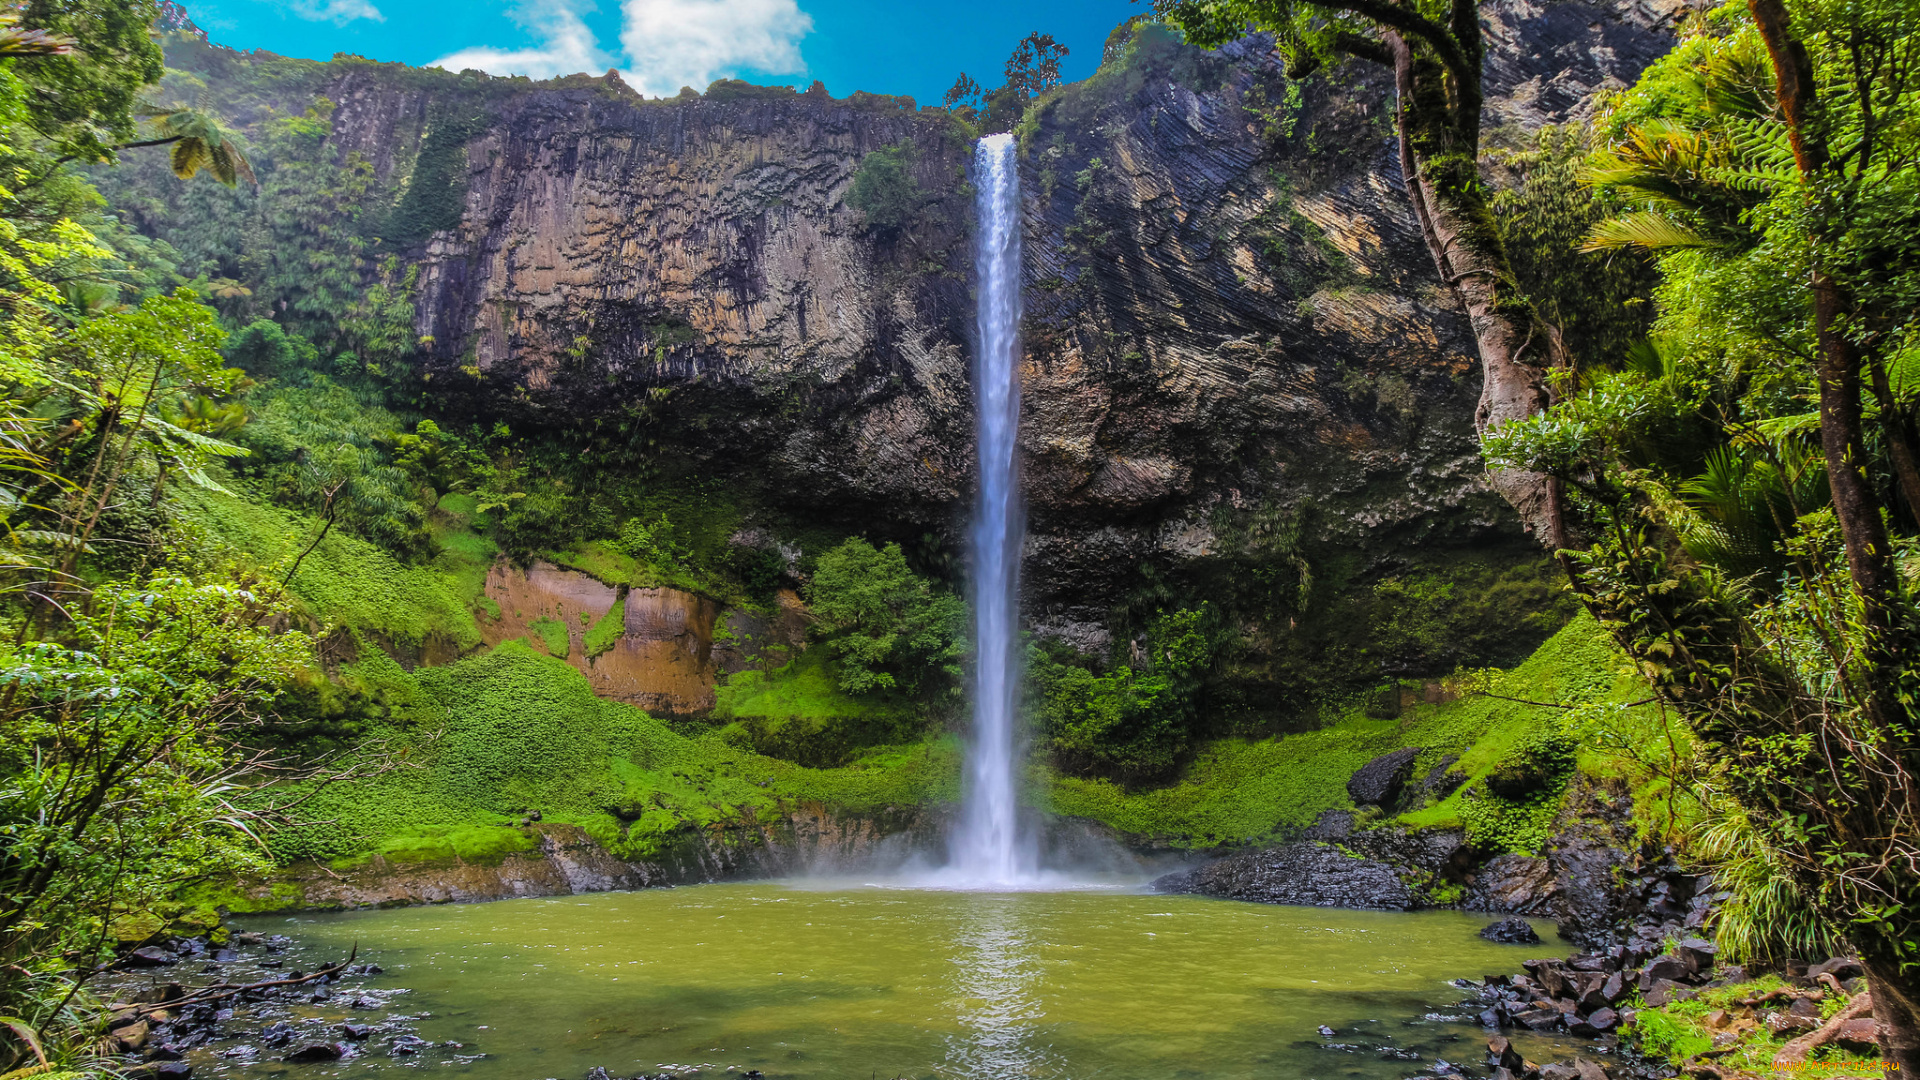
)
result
[(513, 730), (1239, 791), (348, 581), (479, 741)]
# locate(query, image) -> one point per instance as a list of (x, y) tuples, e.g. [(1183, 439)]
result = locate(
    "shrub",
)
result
[(1129, 724), (889, 626), (884, 189)]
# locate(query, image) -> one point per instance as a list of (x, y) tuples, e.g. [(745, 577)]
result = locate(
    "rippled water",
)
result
[(836, 982)]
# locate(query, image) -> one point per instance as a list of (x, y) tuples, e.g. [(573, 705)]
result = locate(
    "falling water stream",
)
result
[(991, 849)]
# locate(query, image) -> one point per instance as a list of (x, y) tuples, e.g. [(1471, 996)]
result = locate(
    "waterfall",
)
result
[(990, 847)]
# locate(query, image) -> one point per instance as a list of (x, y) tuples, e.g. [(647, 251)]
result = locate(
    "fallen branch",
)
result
[(1795, 1052), (222, 991)]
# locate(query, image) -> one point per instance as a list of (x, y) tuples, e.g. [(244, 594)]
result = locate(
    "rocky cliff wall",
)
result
[(1236, 344)]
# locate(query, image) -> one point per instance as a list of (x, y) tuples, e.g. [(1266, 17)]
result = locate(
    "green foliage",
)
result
[(607, 631), (888, 626), (83, 102), (553, 635), (1128, 724), (119, 762), (802, 712), (346, 580), (1545, 213), (655, 543), (436, 193), (884, 188), (512, 731)]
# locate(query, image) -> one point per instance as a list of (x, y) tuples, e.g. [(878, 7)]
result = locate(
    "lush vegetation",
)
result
[(1735, 497), (243, 573)]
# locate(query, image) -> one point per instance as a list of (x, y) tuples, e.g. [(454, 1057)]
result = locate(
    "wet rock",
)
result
[(1604, 1020), (1500, 1052), (1330, 825), (317, 1052), (1860, 1036), (278, 1033), (406, 1045), (1587, 900), (1667, 968), (1665, 992), (149, 956), (162, 1052), (1786, 1024), (1697, 954), (161, 1070), (598, 1073), (226, 956), (1327, 1031), (355, 1032), (1516, 884), (1839, 967), (1308, 874), (1512, 932), (1549, 974), (1539, 1019), (1379, 782)]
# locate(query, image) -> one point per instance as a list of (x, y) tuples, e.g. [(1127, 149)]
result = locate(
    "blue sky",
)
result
[(661, 45)]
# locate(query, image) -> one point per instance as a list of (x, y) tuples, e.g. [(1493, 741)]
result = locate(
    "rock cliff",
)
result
[(1234, 334)]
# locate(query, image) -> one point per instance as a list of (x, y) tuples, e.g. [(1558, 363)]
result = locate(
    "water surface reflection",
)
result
[(996, 999)]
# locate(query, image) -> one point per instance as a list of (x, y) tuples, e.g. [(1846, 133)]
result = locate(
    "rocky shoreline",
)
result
[(259, 998)]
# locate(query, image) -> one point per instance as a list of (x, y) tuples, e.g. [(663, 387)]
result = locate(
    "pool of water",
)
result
[(835, 981)]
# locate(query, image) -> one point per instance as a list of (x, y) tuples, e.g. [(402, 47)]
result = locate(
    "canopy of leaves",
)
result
[(889, 626)]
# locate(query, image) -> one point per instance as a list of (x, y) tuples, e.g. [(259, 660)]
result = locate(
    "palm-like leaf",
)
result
[(1646, 230), (201, 142), (17, 42)]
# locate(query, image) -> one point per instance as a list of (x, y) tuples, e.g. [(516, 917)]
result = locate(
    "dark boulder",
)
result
[(1330, 825), (1666, 992), (317, 1052), (1698, 954), (1512, 885), (1839, 967), (1379, 782), (1500, 1052), (1309, 874), (1511, 932), (150, 956), (1669, 968)]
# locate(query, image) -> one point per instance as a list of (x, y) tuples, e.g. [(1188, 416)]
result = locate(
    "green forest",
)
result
[(262, 540)]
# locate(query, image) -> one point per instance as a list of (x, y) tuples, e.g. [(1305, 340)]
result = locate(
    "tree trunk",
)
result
[(1896, 1005), (1900, 444), (1439, 164)]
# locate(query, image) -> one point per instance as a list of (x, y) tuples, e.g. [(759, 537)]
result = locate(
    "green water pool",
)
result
[(853, 982)]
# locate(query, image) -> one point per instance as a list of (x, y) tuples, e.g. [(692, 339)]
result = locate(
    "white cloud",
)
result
[(339, 11), (675, 43), (567, 45)]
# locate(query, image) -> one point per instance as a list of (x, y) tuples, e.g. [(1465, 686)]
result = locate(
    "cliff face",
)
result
[(1234, 334)]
